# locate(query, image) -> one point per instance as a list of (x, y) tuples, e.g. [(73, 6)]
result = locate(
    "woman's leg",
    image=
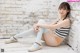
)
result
[(41, 31), (51, 39), (28, 32), (37, 44), (25, 33)]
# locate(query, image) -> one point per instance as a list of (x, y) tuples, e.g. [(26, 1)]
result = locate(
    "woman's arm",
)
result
[(54, 26)]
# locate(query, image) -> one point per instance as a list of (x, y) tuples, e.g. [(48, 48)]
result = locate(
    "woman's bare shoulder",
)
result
[(67, 20)]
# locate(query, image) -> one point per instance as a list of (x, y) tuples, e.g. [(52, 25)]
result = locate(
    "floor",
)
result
[(24, 43)]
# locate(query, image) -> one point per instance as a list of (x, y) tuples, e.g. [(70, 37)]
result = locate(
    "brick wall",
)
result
[(19, 15), (74, 38)]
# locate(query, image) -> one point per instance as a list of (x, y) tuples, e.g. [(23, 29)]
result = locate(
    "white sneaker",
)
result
[(32, 49), (11, 41)]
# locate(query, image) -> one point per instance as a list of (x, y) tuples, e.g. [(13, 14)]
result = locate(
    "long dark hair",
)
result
[(66, 6)]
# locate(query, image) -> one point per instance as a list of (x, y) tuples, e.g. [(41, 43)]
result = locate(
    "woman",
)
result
[(53, 34)]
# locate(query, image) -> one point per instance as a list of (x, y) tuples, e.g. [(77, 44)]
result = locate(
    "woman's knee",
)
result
[(41, 21)]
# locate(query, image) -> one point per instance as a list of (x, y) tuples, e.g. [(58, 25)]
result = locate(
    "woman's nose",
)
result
[(61, 10)]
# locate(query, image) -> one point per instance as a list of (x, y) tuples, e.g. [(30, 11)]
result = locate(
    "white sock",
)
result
[(36, 45)]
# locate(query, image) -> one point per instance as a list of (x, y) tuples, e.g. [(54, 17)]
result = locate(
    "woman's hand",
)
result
[(36, 27)]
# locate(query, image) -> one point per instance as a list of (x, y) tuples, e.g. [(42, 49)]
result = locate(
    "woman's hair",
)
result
[(66, 6)]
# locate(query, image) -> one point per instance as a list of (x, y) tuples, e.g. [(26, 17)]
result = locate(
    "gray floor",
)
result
[(25, 43)]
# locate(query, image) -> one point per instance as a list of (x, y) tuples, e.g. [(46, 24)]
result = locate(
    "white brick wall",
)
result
[(19, 15), (74, 39)]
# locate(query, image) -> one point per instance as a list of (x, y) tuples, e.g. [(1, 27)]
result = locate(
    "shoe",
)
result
[(32, 49), (11, 40)]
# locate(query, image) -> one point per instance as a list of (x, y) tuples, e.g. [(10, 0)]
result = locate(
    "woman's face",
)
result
[(63, 12)]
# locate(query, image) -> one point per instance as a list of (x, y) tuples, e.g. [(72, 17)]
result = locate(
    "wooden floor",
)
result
[(24, 43)]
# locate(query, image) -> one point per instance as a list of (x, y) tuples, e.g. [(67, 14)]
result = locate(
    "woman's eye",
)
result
[(60, 9), (64, 8)]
